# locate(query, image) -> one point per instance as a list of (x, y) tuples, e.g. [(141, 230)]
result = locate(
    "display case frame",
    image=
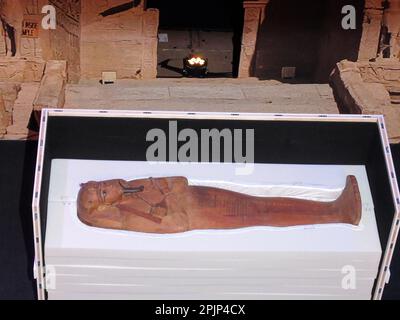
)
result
[(121, 122)]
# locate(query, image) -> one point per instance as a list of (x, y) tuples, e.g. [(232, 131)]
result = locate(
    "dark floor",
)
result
[(17, 160)]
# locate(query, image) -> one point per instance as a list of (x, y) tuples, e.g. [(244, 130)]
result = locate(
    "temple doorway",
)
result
[(306, 37), (213, 31)]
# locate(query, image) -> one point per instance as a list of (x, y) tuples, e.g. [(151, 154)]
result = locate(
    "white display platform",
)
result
[(250, 263), (66, 231)]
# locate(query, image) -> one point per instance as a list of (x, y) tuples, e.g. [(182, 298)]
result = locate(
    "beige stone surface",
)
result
[(3, 49), (251, 25), (150, 44), (392, 21), (124, 42), (12, 70), (224, 95), (51, 93), (9, 92), (371, 29), (31, 48), (385, 71), (4, 119), (20, 70)]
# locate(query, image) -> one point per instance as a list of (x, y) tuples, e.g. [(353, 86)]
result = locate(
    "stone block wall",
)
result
[(21, 70), (385, 71), (358, 93), (121, 41)]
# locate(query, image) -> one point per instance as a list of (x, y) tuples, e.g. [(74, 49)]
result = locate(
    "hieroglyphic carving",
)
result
[(386, 72), (30, 26), (20, 15), (70, 8), (65, 39), (21, 70), (362, 87)]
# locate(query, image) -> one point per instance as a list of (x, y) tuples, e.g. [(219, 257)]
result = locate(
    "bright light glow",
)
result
[(197, 61)]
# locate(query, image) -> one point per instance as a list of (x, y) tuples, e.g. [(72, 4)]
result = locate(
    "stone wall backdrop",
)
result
[(64, 41), (118, 38)]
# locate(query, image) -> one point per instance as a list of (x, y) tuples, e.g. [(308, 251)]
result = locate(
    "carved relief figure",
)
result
[(12, 16), (171, 205)]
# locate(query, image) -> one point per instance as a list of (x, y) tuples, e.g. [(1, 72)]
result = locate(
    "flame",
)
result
[(197, 61)]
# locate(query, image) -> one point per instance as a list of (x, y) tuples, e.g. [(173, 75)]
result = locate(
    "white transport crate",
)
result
[(299, 155)]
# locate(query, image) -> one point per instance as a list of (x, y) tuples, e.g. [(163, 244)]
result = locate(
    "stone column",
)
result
[(150, 45), (392, 22), (371, 30), (254, 15)]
